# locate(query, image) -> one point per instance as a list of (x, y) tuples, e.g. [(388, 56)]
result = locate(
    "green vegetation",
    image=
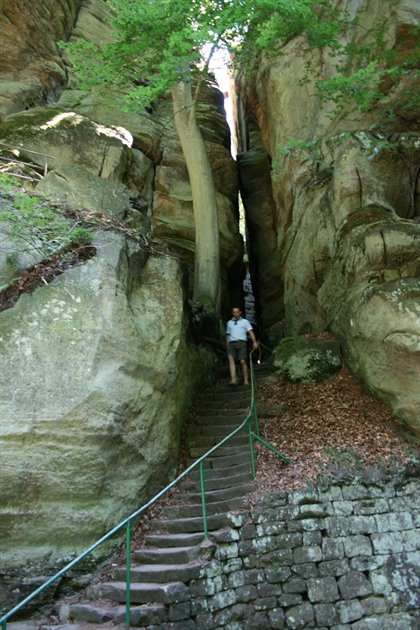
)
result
[(35, 225)]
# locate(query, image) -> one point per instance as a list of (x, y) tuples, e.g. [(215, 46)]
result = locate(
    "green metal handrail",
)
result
[(127, 522)]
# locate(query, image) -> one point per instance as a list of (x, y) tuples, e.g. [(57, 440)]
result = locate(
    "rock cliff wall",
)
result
[(31, 68), (149, 181), (97, 371), (98, 367), (342, 254)]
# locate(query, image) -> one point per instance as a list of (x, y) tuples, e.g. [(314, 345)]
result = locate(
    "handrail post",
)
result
[(254, 401), (251, 447), (257, 422), (203, 501), (4, 625), (253, 405), (128, 574)]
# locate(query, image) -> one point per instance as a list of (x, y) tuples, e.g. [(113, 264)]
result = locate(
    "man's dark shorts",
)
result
[(238, 350)]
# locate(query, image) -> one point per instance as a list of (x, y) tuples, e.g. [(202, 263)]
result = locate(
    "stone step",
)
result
[(221, 413), (226, 394), (189, 525), (221, 494), (239, 404), (220, 472), (146, 616), (166, 555), (219, 416), (223, 451), (217, 507), (262, 370), (226, 461), (201, 434), (161, 541), (227, 388), (219, 483), (220, 451), (161, 573), (222, 535), (210, 420), (91, 613), (201, 438), (140, 592)]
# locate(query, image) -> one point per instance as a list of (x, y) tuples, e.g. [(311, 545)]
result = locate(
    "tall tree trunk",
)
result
[(207, 251)]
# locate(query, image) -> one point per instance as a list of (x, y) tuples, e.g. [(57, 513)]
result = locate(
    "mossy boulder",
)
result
[(307, 360)]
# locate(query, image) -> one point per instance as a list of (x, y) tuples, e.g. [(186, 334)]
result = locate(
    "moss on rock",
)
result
[(307, 360)]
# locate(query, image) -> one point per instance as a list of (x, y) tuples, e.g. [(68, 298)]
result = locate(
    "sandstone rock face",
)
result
[(345, 221), (98, 367), (255, 183), (96, 375), (31, 68), (360, 275), (90, 165)]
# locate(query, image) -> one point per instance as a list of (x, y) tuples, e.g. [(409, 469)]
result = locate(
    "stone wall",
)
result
[(347, 556)]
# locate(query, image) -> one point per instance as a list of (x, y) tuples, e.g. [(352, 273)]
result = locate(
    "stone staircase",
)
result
[(175, 551)]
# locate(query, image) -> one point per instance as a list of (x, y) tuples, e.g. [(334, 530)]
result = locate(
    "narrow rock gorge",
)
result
[(100, 365)]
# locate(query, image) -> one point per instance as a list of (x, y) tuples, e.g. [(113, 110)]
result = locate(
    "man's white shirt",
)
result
[(238, 331)]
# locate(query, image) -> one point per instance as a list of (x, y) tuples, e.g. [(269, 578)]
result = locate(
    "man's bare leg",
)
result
[(232, 369), (244, 366)]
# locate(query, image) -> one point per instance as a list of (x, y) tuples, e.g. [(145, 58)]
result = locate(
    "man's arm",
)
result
[(227, 335), (253, 338)]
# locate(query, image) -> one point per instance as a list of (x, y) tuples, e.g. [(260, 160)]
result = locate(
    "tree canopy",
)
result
[(160, 42)]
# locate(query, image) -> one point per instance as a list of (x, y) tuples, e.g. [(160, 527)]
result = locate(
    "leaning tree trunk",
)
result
[(207, 251)]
